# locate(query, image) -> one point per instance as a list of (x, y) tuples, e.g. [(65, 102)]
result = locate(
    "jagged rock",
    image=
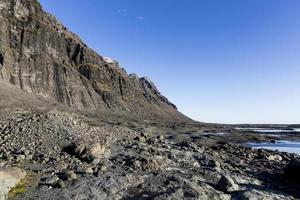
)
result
[(274, 158), (203, 191), (51, 180), (60, 184), (160, 137), (89, 170), (68, 175), (141, 139), (152, 165), (214, 164), (88, 151), (227, 184)]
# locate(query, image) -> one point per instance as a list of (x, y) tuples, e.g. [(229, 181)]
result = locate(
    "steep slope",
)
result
[(14, 98), (40, 56)]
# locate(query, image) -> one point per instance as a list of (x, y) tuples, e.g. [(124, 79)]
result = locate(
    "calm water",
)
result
[(267, 130), (280, 145)]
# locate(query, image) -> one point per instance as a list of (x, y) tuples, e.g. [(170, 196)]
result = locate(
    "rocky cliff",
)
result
[(40, 56)]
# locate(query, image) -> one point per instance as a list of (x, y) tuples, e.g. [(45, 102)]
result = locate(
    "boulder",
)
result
[(68, 175), (9, 178), (88, 151), (51, 180), (227, 184), (141, 139), (203, 191), (89, 170), (214, 163), (274, 158)]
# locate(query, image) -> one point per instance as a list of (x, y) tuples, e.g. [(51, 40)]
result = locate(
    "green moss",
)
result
[(19, 189)]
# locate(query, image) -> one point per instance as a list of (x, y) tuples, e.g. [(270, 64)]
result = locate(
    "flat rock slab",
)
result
[(9, 178)]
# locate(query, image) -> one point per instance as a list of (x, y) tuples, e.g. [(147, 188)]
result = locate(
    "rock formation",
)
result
[(114, 151), (40, 56)]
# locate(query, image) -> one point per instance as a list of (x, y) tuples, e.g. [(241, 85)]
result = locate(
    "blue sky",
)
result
[(227, 61)]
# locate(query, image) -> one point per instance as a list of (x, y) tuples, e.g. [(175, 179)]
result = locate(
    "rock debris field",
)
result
[(75, 125), (74, 156)]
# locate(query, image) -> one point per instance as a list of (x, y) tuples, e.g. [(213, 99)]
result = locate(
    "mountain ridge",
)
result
[(40, 56)]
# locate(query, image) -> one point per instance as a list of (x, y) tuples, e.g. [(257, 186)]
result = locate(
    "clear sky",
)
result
[(229, 61)]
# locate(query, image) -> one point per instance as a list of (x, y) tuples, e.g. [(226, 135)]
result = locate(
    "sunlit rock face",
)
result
[(39, 55)]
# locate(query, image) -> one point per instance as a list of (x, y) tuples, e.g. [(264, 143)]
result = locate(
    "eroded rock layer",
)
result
[(40, 56)]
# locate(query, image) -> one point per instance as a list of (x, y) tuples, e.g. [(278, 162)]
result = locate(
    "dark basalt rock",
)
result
[(292, 170), (40, 56), (110, 161), (226, 184)]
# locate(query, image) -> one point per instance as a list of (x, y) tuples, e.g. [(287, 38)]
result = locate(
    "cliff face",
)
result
[(40, 56)]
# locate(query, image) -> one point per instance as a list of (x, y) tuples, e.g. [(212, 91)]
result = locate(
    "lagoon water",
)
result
[(267, 130), (280, 145)]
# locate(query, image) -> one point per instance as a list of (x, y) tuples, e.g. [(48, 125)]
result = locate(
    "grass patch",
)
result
[(21, 187)]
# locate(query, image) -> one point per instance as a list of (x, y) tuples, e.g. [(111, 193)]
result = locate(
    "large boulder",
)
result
[(203, 191), (88, 151), (227, 184), (274, 158), (9, 178)]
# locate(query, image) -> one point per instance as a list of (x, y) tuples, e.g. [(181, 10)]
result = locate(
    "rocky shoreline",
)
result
[(75, 156), (75, 125)]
